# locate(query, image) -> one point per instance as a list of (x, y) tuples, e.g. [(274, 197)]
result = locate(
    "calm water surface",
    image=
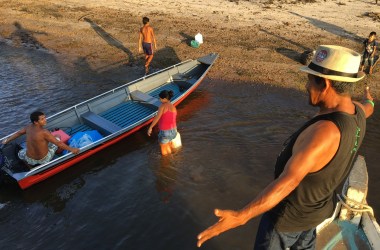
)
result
[(128, 196)]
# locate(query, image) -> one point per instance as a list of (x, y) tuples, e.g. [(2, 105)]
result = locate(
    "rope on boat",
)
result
[(362, 207)]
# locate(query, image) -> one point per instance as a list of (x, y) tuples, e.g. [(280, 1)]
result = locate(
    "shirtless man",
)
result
[(146, 40), (40, 143)]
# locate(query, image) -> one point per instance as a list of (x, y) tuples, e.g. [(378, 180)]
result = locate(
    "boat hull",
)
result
[(184, 78), (352, 224)]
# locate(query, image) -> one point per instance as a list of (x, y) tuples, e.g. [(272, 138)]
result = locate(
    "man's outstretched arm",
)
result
[(314, 148)]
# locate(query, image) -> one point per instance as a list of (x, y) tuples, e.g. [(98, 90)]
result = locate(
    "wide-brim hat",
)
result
[(335, 63)]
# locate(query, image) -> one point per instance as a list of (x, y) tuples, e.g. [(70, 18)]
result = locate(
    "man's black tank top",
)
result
[(312, 201)]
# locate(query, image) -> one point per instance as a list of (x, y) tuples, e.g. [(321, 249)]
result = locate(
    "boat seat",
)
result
[(192, 80), (99, 123), (178, 76), (137, 95)]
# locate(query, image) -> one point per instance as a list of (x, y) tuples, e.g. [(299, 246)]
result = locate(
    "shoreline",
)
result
[(257, 41)]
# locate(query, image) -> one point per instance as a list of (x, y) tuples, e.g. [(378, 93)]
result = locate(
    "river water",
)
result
[(128, 196)]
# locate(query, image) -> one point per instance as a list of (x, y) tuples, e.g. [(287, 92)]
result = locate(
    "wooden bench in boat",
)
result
[(99, 123), (137, 95)]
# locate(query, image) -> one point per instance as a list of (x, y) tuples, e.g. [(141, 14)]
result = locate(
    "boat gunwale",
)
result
[(112, 138), (367, 223), (108, 92)]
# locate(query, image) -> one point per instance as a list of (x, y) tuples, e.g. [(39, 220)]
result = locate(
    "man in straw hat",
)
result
[(314, 160)]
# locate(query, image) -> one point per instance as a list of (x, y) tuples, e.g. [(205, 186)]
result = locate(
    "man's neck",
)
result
[(337, 103), (37, 126)]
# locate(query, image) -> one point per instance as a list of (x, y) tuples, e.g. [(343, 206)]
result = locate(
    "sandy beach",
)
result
[(258, 41), (110, 199)]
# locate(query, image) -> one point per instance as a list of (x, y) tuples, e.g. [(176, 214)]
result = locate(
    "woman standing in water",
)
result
[(166, 118)]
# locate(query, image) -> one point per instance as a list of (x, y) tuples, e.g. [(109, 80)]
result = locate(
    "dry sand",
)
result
[(258, 41)]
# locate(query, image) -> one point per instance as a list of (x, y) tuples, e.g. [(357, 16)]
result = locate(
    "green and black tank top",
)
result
[(312, 201)]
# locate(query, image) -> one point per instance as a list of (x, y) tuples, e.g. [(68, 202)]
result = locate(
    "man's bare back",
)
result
[(36, 142), (147, 34)]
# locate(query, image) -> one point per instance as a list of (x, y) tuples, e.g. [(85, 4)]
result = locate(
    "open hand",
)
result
[(228, 219)]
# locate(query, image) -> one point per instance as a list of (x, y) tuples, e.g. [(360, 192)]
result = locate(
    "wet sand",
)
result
[(258, 41)]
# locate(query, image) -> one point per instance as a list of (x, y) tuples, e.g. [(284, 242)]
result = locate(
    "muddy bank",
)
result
[(258, 41)]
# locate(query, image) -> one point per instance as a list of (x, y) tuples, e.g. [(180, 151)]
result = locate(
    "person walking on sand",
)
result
[(166, 118), (40, 143), (314, 161), (146, 41), (370, 47)]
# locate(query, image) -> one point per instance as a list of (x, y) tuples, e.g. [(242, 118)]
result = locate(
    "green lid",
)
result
[(194, 44)]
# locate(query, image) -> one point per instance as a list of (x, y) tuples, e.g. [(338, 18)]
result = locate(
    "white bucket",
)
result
[(199, 38), (176, 142)]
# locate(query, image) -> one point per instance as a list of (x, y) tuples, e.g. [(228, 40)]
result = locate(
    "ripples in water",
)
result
[(128, 196)]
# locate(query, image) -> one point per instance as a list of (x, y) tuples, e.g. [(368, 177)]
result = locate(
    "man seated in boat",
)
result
[(40, 143)]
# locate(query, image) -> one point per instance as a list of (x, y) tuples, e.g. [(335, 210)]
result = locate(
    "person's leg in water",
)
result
[(165, 138), (166, 148)]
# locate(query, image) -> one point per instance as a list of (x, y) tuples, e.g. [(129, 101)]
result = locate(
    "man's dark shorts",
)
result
[(268, 238), (148, 49)]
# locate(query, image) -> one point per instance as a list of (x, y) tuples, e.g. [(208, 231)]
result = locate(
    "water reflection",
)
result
[(196, 101), (56, 200), (166, 175)]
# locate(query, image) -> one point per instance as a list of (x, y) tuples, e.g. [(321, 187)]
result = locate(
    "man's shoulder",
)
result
[(322, 127), (146, 28), (40, 131)]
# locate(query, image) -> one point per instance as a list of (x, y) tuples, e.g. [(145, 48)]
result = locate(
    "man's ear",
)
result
[(326, 84)]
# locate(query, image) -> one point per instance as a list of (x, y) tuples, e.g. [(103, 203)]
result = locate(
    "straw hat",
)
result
[(335, 63)]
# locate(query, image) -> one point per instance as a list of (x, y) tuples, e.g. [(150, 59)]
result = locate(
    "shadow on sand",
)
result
[(25, 37), (165, 57), (333, 29), (110, 39), (291, 54), (187, 38)]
